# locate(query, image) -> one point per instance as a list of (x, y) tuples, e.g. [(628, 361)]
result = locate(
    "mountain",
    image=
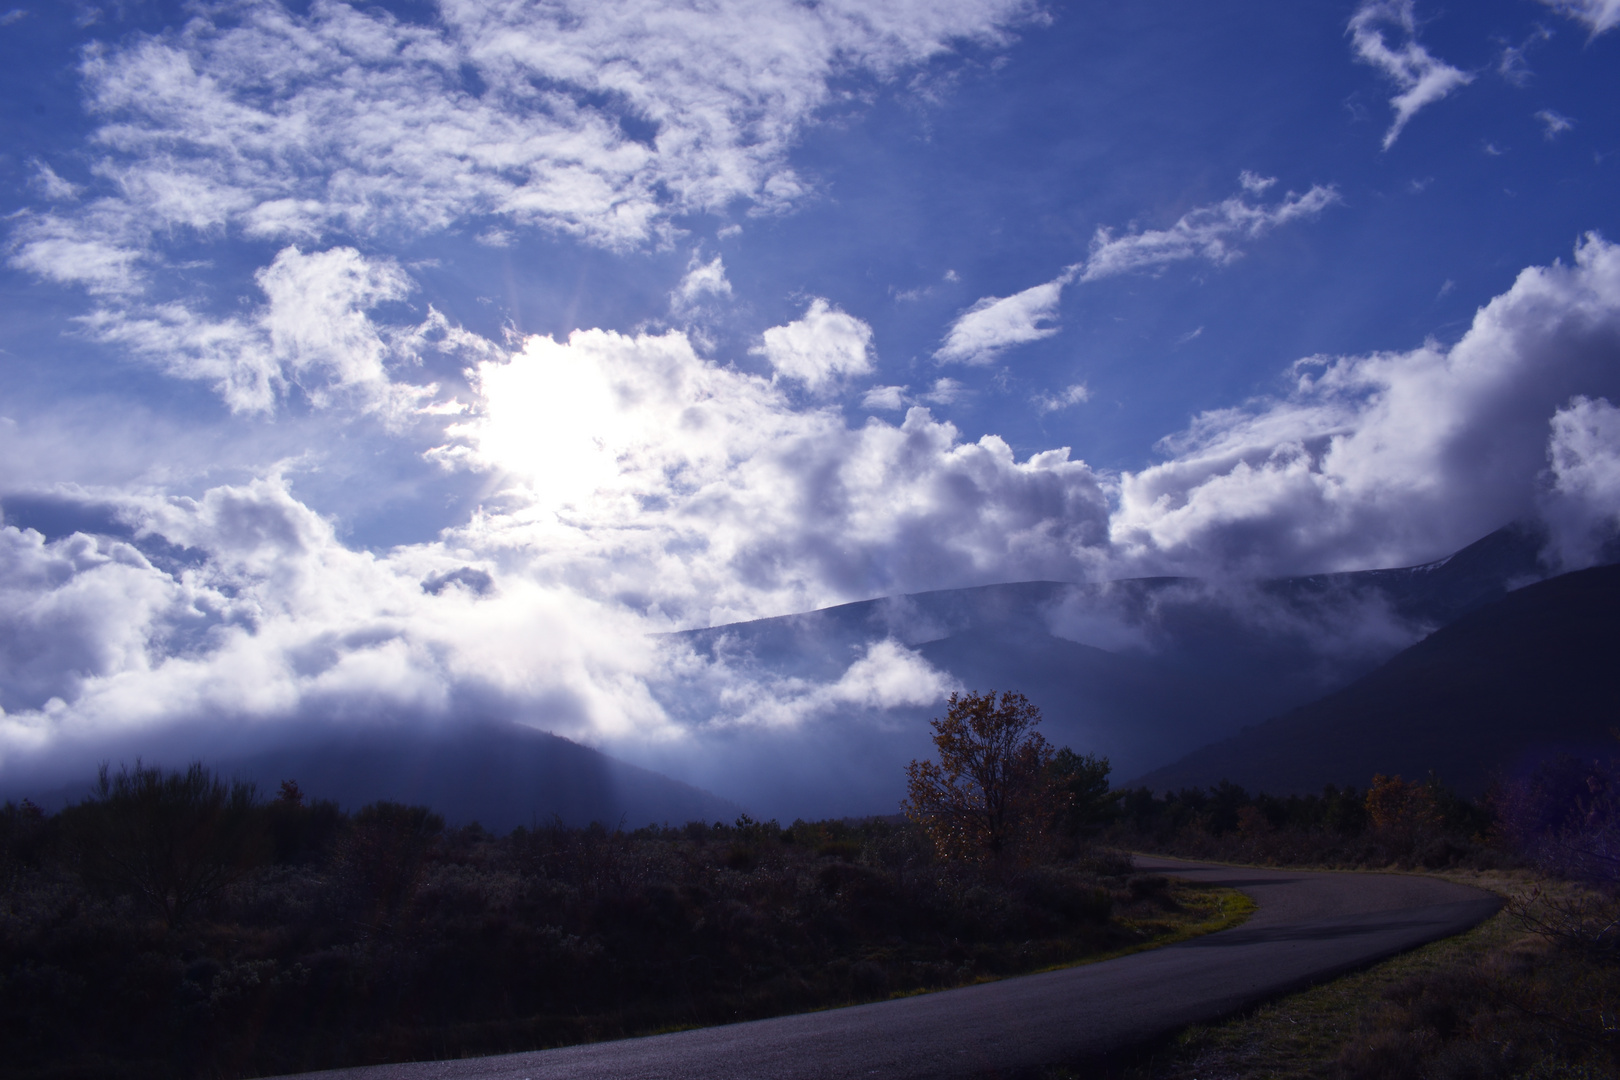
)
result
[(1142, 670), (499, 775), (1507, 685)]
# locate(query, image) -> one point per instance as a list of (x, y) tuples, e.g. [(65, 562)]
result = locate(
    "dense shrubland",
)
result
[(174, 924), (1395, 822)]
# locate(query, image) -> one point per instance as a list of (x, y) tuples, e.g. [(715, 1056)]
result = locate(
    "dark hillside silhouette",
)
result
[(499, 775), (1535, 674)]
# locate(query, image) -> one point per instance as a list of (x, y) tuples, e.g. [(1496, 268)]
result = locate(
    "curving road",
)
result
[(1309, 927)]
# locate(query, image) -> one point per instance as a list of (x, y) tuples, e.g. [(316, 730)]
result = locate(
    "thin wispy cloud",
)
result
[(1076, 394), (1598, 16), (1513, 64), (1422, 78), (1214, 233), (1553, 124)]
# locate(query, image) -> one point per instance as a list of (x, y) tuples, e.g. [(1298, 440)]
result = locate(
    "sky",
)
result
[(426, 360)]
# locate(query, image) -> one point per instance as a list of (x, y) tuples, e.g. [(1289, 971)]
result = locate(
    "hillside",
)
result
[(499, 775), (1141, 670), (1528, 676)]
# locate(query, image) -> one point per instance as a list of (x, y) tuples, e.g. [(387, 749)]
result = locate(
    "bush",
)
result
[(169, 840)]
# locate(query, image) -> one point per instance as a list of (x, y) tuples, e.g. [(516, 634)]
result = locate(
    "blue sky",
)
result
[(864, 298)]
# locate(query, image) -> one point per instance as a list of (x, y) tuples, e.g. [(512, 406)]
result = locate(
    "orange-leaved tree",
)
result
[(987, 797)]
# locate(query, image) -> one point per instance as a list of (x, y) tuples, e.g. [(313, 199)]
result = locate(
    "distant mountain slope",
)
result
[(1142, 670), (499, 775), (1532, 674)]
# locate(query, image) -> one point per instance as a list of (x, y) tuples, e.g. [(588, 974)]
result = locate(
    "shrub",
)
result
[(170, 840)]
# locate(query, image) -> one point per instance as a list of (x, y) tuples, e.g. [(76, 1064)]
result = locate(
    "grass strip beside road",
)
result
[(1496, 1001)]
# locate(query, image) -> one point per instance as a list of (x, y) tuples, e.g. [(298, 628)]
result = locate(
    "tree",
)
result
[(987, 797), (172, 840), (1080, 786)]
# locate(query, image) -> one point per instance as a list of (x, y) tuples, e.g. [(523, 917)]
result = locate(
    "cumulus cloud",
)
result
[(734, 692), (1599, 16), (313, 332), (1421, 77), (993, 324), (703, 279), (636, 485), (821, 348), (645, 472), (271, 620), (1583, 503), (644, 487), (1386, 459)]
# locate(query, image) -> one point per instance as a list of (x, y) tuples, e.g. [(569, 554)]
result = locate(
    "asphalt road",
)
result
[(1309, 927)]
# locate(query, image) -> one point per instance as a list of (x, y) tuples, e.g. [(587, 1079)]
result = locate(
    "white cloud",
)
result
[(1386, 459), (701, 280), (350, 121), (644, 488), (738, 694), (92, 250), (884, 397), (313, 333), (1209, 232), (1512, 65), (1599, 16), (993, 324), (945, 392), (609, 121), (649, 473), (823, 347), (272, 621), (1073, 395), (52, 186), (1254, 183), (1553, 124), (636, 486), (1422, 79), (1583, 505)]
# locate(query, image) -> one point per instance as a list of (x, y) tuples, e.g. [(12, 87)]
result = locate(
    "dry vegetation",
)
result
[(1533, 992), (1505, 1000), (175, 926)]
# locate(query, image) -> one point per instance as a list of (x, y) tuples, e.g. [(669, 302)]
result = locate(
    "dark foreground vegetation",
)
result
[(176, 925), (1395, 822)]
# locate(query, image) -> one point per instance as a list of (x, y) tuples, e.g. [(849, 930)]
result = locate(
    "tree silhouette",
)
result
[(987, 797), (172, 840), (1080, 787)]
